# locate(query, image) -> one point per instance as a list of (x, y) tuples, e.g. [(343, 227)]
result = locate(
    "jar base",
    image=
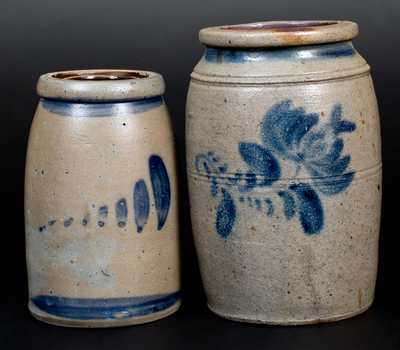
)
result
[(107, 323), (292, 322)]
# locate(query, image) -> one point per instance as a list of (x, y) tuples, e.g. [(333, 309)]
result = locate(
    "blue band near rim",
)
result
[(231, 55), (100, 109)]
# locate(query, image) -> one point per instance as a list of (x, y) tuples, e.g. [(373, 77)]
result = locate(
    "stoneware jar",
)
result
[(284, 165), (101, 200)]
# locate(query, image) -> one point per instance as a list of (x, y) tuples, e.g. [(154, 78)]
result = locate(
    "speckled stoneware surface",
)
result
[(101, 201), (284, 166)]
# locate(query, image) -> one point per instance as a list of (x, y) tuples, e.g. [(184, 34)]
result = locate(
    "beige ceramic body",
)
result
[(80, 256), (264, 267)]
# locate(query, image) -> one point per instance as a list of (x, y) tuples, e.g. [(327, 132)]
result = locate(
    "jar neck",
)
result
[(258, 54), (284, 64)]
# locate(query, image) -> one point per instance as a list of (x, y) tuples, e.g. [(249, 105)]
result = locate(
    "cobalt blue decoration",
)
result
[(291, 134), (226, 215), (141, 204), (104, 308), (161, 188)]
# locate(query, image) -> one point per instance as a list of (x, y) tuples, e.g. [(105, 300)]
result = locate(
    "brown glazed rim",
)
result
[(279, 33), (99, 85)]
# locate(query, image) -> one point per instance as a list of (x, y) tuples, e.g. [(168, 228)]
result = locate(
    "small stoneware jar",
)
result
[(284, 167), (101, 200)]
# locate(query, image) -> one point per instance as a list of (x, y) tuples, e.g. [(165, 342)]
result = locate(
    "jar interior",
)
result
[(100, 75), (281, 26)]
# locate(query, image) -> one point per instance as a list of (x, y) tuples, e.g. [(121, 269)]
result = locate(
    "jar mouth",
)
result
[(279, 33), (100, 85), (102, 75), (286, 26)]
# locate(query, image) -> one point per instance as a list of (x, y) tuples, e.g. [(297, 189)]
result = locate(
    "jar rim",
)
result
[(99, 85), (279, 33)]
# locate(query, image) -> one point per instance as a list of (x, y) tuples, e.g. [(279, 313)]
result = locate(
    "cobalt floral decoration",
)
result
[(290, 135)]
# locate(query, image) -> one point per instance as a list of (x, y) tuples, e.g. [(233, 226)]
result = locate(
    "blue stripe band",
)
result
[(327, 51), (104, 309), (100, 109)]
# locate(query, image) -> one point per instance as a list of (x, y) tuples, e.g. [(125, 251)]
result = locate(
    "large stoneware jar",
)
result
[(284, 166), (101, 201)]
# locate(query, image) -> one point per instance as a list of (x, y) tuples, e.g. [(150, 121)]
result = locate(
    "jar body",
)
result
[(284, 168), (102, 247)]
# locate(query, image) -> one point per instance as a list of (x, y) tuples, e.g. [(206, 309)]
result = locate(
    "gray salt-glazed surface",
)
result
[(101, 201), (284, 166)]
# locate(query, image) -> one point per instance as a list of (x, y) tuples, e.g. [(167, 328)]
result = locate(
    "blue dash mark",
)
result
[(103, 213), (141, 204), (121, 212), (68, 221), (161, 188), (85, 220)]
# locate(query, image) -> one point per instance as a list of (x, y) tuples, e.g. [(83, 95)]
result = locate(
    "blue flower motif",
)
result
[(293, 134)]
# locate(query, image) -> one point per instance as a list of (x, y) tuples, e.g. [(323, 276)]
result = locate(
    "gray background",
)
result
[(38, 36)]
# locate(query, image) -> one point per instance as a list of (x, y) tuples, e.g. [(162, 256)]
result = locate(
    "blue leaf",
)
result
[(289, 205), (325, 169), (334, 152), (226, 215), (261, 162), (335, 185), (310, 208)]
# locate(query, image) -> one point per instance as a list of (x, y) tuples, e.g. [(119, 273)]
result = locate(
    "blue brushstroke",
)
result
[(226, 215), (103, 213), (99, 109), (261, 162), (86, 219), (141, 204), (333, 186), (304, 53), (161, 188), (284, 127), (289, 205), (51, 222), (68, 221), (104, 308), (292, 133), (310, 208), (339, 125), (270, 206), (121, 212)]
